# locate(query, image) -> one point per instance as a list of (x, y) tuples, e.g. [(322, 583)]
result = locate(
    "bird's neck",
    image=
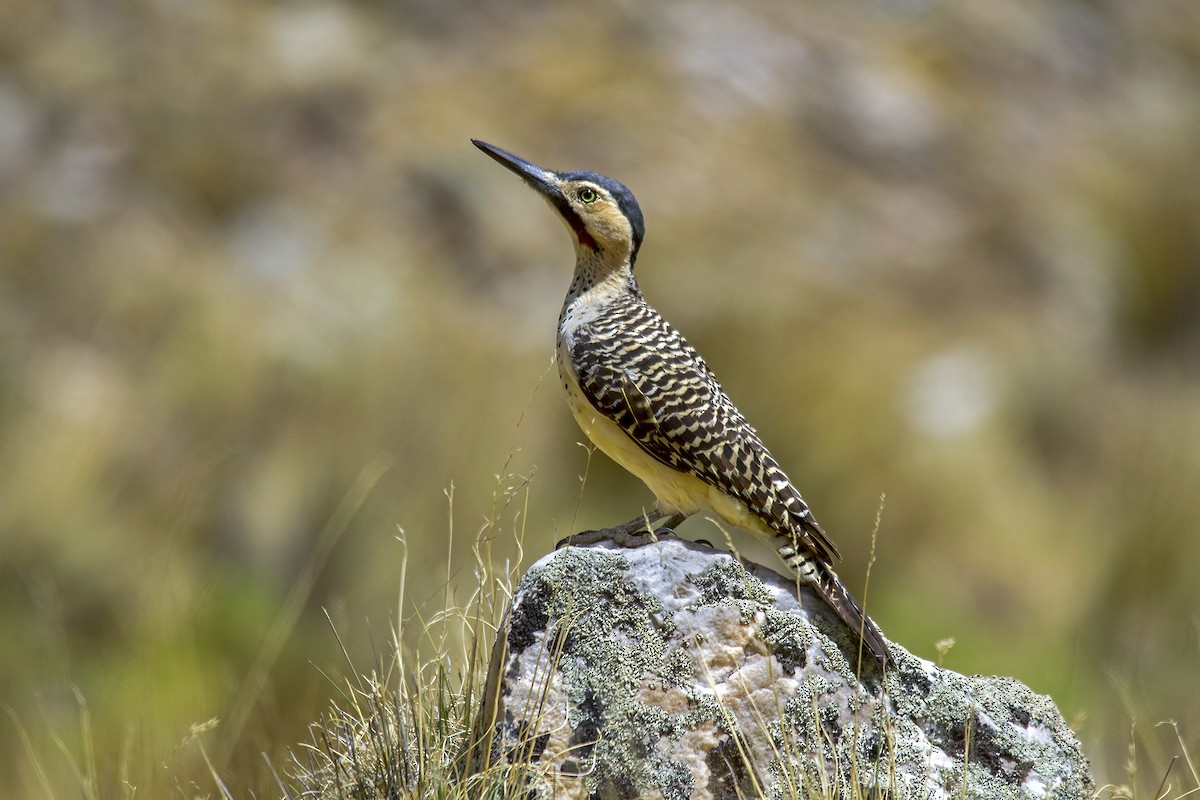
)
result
[(598, 282), (601, 277)]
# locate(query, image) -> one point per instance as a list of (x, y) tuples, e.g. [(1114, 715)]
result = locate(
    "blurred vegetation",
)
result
[(946, 252)]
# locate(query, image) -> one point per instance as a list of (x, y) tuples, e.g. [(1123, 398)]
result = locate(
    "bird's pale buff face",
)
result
[(605, 227)]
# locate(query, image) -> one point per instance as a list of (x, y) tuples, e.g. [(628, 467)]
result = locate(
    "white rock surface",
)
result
[(671, 670)]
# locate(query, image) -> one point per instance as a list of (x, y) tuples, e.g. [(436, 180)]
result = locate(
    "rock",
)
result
[(672, 670)]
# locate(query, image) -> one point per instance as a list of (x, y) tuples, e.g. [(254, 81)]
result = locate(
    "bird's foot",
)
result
[(635, 533)]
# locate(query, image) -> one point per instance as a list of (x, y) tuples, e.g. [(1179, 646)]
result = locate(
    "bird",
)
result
[(646, 398)]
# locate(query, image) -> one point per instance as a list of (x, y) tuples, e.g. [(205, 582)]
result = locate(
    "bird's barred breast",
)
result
[(664, 407), (674, 490)]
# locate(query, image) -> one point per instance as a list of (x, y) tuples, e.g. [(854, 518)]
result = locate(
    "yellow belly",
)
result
[(675, 491)]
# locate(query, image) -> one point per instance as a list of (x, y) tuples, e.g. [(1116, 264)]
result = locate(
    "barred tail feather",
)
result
[(834, 593), (829, 588)]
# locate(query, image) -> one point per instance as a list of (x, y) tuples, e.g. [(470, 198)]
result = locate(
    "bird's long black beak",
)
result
[(543, 180), (548, 185)]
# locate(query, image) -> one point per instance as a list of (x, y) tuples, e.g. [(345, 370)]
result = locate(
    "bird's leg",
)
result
[(630, 534)]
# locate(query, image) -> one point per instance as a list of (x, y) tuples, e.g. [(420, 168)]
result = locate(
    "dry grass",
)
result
[(405, 727)]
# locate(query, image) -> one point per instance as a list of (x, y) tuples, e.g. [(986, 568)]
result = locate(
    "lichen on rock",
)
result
[(672, 670)]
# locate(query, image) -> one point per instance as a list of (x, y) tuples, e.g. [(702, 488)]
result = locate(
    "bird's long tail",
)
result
[(825, 582)]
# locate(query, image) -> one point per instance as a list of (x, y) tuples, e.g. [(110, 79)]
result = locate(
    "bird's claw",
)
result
[(619, 536)]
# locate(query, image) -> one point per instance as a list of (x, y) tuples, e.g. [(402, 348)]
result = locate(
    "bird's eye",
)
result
[(587, 195)]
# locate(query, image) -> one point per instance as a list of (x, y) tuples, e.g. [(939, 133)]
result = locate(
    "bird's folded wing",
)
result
[(670, 404)]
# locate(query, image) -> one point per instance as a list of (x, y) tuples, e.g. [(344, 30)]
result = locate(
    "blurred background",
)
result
[(252, 272)]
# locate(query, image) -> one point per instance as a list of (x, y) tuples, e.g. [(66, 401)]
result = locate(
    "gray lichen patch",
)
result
[(994, 733), (726, 579), (672, 671)]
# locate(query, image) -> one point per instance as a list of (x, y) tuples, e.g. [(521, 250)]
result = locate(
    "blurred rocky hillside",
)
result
[(946, 252)]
